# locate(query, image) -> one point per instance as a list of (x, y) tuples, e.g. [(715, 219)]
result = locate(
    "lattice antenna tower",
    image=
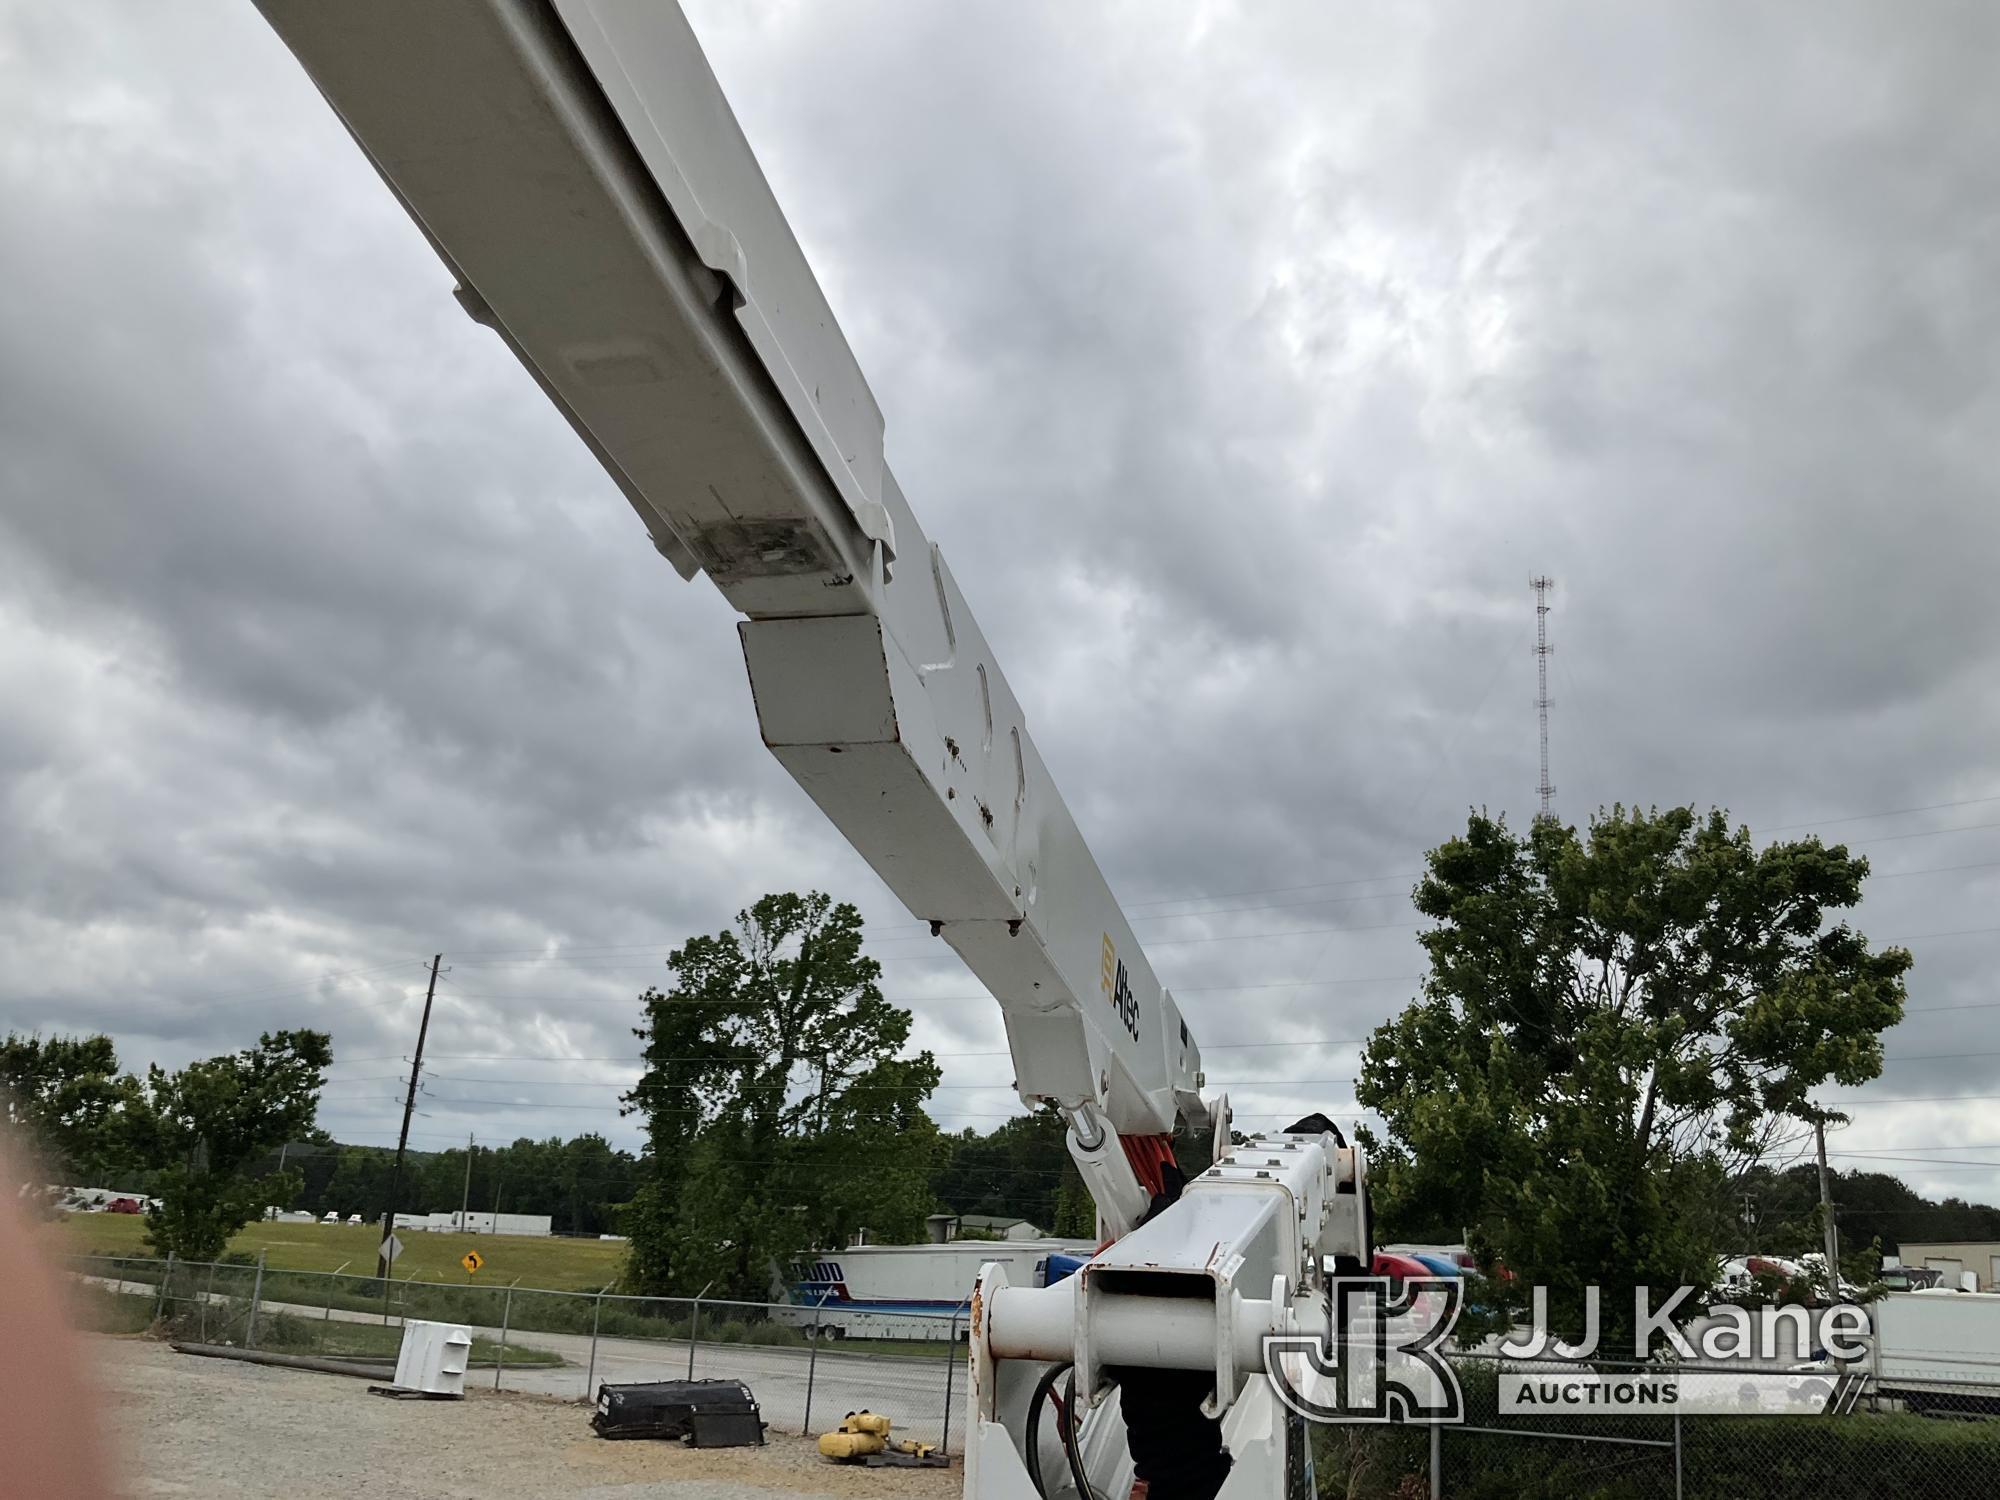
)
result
[(1541, 584)]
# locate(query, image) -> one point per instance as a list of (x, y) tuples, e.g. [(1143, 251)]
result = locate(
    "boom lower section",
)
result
[(1173, 1318)]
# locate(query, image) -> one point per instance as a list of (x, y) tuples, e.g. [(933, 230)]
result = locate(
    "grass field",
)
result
[(557, 1264)]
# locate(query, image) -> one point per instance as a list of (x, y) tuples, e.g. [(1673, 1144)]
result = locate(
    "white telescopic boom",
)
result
[(575, 165)]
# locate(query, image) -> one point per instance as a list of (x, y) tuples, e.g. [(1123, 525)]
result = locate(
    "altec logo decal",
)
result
[(1117, 986)]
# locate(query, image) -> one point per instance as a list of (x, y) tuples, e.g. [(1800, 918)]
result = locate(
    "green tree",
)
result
[(359, 1183), (779, 1113), (1869, 1207), (1021, 1169), (209, 1123), (1612, 1027), (64, 1094)]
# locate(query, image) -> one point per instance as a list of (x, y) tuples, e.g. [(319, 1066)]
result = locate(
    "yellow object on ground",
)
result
[(848, 1446), (860, 1433)]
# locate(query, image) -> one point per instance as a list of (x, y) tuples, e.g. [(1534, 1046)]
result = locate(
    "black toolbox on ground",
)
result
[(701, 1413)]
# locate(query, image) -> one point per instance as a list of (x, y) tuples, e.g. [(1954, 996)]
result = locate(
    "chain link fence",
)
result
[(1923, 1437), (808, 1367), (1907, 1427)]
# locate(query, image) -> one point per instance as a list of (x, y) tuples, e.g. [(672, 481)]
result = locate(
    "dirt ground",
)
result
[(207, 1427)]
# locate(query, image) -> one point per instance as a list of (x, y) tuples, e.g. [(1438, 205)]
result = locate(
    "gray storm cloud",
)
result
[(1246, 364)]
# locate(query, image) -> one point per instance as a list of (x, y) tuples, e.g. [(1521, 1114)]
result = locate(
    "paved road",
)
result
[(910, 1390)]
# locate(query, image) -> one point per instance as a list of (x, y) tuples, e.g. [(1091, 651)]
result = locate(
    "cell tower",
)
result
[(1541, 584)]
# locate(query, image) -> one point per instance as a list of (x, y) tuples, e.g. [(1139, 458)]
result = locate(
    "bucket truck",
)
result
[(577, 169)]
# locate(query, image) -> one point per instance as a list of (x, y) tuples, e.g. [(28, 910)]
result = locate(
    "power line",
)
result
[(1250, 1086), (1967, 1146), (1894, 812), (1238, 937), (635, 1060), (866, 1088), (1917, 1099), (913, 1000), (1371, 879), (536, 956), (887, 932), (233, 999), (1924, 1161), (1981, 864)]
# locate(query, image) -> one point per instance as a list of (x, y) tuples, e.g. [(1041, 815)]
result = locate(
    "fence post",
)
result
[(326, 1322), (1437, 1459), (694, 1329), (160, 1303), (256, 1297), (812, 1367), (1677, 1456), (950, 1364), (506, 1313), (590, 1375), (202, 1336)]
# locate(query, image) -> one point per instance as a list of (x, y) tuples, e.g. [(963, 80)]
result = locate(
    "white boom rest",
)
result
[(1172, 1293)]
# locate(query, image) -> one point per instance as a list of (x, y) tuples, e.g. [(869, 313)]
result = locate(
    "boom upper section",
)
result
[(576, 167)]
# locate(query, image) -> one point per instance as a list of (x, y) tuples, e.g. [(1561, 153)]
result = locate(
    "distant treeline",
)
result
[(1867, 1206), (579, 1183), (1020, 1170)]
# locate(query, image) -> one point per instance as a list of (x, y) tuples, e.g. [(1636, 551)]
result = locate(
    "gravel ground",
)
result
[(210, 1427)]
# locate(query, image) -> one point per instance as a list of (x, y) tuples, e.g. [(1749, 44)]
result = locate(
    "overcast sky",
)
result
[(1246, 361)]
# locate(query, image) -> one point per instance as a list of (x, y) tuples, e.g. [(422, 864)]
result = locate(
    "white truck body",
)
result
[(1930, 1348)]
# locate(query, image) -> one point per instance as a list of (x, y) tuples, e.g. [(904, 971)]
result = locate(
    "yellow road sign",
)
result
[(472, 1260)]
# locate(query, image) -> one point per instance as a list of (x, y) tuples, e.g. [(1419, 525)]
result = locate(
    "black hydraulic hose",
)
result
[(1032, 1441), (1071, 1446)]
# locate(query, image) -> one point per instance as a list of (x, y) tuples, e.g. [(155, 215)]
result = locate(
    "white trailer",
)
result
[(1937, 1351), (911, 1291), (453, 1222)]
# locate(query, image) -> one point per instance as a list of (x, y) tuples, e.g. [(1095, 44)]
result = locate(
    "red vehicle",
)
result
[(122, 1206)]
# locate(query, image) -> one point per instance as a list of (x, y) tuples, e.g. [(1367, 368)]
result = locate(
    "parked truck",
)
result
[(1938, 1351)]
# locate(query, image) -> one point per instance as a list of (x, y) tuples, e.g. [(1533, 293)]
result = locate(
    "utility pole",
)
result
[(1826, 1213), (1541, 583), (403, 1139), (465, 1198)]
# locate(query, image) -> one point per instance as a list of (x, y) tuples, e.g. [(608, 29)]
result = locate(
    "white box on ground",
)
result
[(433, 1358)]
